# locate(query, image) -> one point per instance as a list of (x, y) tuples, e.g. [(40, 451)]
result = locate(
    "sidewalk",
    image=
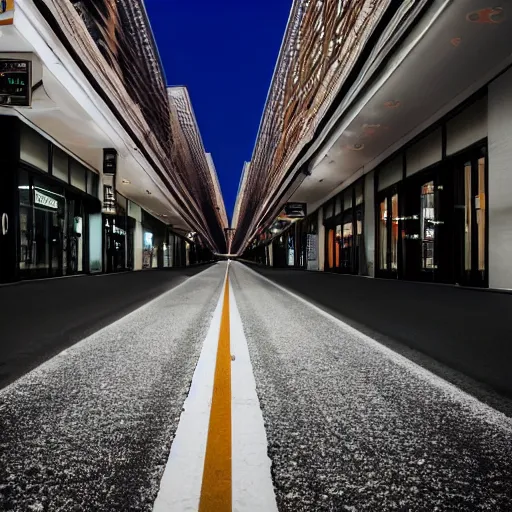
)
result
[(467, 330), (38, 319)]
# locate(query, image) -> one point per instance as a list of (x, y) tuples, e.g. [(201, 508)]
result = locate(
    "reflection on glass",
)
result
[(480, 213), (427, 226), (330, 248), (467, 221), (394, 232), (383, 235), (338, 245), (347, 244)]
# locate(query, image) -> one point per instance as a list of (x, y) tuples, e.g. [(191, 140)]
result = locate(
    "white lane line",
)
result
[(180, 487), (252, 482), (478, 408)]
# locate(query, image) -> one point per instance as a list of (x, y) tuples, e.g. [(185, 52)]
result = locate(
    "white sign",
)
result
[(44, 200)]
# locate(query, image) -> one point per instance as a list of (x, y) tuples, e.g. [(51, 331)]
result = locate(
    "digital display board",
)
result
[(15, 82)]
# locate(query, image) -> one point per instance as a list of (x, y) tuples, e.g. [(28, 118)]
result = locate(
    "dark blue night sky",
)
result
[(224, 51)]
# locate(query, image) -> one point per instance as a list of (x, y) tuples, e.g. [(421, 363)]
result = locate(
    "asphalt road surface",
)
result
[(38, 319), (90, 430), (351, 425)]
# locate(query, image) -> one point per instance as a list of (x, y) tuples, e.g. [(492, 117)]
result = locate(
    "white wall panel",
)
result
[(466, 128), (500, 182)]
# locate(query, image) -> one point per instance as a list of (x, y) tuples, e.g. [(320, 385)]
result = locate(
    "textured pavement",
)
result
[(466, 330), (90, 429), (354, 426), (38, 319)]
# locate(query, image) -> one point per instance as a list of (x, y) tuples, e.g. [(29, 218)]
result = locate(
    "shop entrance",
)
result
[(470, 219), (388, 220)]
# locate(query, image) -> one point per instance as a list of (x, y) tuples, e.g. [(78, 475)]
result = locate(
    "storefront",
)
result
[(431, 204), (118, 238), (343, 221), (47, 200)]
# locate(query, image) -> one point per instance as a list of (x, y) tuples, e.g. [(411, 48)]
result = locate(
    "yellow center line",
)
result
[(216, 494)]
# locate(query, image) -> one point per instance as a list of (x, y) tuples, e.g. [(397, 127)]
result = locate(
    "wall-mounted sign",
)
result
[(6, 12), (44, 200), (295, 210), (109, 161), (15, 82)]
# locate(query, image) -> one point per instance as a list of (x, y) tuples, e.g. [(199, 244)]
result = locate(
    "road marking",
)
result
[(218, 460), (216, 491), (253, 489), (180, 487)]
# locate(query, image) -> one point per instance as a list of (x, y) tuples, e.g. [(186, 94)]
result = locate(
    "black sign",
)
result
[(295, 210), (15, 82), (109, 161)]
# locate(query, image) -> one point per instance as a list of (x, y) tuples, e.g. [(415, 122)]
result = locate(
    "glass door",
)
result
[(471, 219), (388, 232)]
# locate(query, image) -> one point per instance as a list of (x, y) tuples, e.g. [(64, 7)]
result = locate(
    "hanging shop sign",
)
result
[(15, 82), (6, 12), (44, 200), (295, 210), (109, 161), (109, 199)]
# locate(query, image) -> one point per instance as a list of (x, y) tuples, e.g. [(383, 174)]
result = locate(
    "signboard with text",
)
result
[(15, 82), (295, 210)]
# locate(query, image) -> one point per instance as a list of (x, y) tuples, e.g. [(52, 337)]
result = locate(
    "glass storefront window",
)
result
[(383, 235), (427, 221), (60, 164), (34, 148), (347, 199), (394, 232), (467, 217), (330, 248), (328, 210), (338, 245), (92, 183), (337, 205), (480, 214), (147, 250), (78, 175), (42, 215), (359, 193)]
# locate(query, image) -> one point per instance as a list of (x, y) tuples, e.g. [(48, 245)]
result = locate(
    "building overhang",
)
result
[(66, 108), (454, 50)]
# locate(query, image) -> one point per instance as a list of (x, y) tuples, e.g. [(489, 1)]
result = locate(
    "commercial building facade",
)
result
[(439, 209), (407, 175)]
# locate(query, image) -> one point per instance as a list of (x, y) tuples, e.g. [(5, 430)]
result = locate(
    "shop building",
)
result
[(436, 210), (50, 207), (411, 178)]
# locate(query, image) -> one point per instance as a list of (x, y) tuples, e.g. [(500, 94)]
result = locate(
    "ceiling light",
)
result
[(126, 182)]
